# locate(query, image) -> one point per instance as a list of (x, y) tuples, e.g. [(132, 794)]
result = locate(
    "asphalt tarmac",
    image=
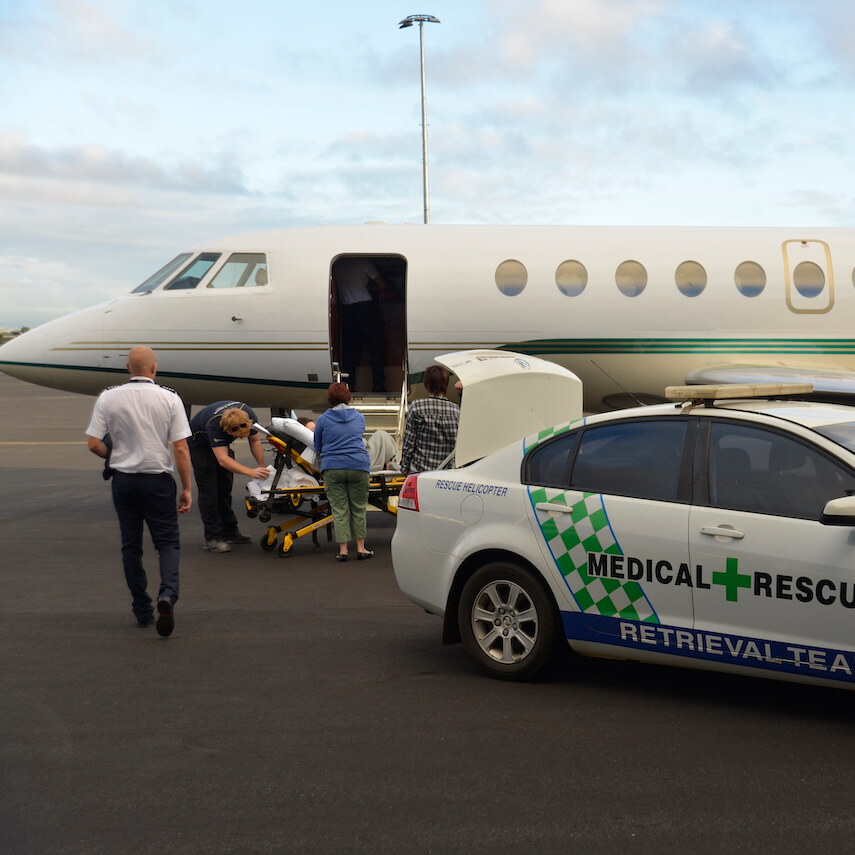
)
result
[(303, 705)]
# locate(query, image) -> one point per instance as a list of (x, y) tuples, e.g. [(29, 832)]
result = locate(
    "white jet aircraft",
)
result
[(628, 310)]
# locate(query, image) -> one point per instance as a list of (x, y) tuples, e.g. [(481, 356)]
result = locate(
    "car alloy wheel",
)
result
[(507, 621)]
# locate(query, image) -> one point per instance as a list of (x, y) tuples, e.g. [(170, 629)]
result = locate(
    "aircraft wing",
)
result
[(827, 383)]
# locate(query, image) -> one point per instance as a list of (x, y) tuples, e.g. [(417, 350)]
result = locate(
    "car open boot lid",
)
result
[(508, 396)]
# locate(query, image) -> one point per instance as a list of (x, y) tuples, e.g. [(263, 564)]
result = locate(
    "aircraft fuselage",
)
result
[(626, 309)]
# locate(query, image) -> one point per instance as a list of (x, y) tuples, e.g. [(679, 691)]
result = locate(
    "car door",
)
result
[(778, 586), (610, 504)]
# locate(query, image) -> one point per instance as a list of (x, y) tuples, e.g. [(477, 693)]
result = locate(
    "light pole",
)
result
[(408, 22)]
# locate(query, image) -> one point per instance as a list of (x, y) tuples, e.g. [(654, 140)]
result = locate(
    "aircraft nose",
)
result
[(62, 354), (22, 352)]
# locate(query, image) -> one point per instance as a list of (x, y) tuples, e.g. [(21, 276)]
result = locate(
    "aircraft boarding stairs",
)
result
[(388, 413), (381, 412)]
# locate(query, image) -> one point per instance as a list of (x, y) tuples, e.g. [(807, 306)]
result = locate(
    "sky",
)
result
[(131, 130)]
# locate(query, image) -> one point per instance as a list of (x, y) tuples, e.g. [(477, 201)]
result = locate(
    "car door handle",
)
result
[(719, 531), (555, 507)]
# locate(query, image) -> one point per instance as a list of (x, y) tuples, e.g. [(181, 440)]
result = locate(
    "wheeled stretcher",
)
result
[(295, 489)]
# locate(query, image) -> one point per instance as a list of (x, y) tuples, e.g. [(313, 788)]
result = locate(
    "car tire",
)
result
[(508, 621)]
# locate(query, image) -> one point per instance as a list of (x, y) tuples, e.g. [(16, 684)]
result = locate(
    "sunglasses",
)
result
[(241, 426)]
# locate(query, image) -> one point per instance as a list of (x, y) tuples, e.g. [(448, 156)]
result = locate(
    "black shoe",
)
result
[(341, 557), (165, 620), (364, 556), (237, 537), (143, 622)]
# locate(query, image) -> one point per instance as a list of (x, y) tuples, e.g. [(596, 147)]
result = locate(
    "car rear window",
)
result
[(842, 433)]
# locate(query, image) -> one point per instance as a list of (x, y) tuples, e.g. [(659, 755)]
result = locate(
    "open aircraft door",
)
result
[(389, 305), (809, 276)]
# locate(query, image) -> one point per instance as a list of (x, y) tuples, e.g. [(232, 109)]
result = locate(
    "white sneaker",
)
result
[(217, 546)]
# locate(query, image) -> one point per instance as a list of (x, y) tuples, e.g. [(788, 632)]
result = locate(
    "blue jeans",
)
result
[(149, 499)]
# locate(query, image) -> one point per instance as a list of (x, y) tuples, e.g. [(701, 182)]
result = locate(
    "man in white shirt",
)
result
[(143, 420)]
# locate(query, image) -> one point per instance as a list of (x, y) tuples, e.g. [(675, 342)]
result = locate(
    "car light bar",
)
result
[(720, 391)]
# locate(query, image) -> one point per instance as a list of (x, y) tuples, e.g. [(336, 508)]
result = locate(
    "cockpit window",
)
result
[(192, 275), (162, 275), (242, 269)]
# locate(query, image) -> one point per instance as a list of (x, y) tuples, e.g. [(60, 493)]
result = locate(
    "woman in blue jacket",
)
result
[(344, 464)]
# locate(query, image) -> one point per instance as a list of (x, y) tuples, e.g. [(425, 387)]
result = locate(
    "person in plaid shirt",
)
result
[(431, 431)]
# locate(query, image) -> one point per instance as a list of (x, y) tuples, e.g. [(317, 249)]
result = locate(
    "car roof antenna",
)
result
[(622, 388)]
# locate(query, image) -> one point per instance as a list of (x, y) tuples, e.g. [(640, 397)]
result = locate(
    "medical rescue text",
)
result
[(779, 586)]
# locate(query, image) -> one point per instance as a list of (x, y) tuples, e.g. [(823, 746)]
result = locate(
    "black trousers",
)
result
[(148, 500), (214, 493), (362, 327)]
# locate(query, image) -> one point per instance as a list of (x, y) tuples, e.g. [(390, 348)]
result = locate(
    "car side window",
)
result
[(765, 472), (548, 465), (640, 458)]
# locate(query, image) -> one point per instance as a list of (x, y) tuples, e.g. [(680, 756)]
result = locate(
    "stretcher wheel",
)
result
[(265, 516), (252, 513), (265, 543), (286, 546)]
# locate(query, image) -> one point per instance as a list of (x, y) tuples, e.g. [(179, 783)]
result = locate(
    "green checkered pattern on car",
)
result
[(548, 433), (571, 537)]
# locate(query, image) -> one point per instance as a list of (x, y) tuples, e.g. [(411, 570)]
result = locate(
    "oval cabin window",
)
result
[(750, 279), (511, 277), (691, 278), (571, 277), (809, 279), (631, 278)]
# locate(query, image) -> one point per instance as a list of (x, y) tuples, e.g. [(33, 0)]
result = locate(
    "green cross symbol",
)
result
[(732, 579)]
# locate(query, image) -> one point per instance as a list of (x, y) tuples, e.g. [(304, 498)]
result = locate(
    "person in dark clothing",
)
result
[(361, 320), (215, 428)]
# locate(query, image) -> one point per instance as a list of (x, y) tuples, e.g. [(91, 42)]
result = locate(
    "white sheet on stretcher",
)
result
[(293, 477), (382, 451)]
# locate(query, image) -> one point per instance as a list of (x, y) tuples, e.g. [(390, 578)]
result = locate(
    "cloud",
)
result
[(590, 27), (832, 21), (22, 161), (78, 31), (31, 283), (720, 56)]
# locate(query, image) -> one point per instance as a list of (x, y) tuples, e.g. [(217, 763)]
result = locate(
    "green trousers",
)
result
[(347, 491)]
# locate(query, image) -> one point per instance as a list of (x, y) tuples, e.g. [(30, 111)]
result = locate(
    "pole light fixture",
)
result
[(408, 22)]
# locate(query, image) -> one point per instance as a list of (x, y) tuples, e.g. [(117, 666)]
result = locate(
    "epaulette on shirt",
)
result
[(159, 385)]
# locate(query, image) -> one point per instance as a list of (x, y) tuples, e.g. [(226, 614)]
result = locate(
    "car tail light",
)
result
[(408, 498)]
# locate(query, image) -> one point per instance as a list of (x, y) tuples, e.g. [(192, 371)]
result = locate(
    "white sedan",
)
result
[(711, 533)]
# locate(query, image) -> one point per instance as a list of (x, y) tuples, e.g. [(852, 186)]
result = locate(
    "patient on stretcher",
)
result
[(382, 452)]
